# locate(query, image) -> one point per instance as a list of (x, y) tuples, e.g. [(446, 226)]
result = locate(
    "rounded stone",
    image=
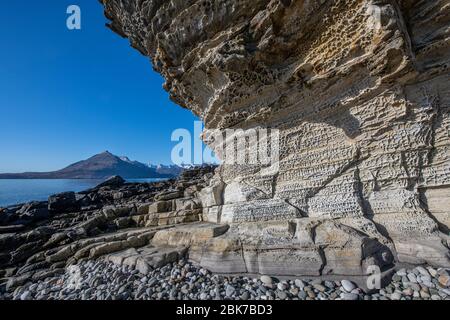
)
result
[(294, 291), (245, 296), (396, 278), (281, 295), (348, 285), (319, 287), (230, 290), (302, 295), (299, 283), (349, 296), (412, 277), (396, 296), (444, 280), (25, 296), (423, 271), (266, 280), (401, 272), (281, 286), (408, 292), (432, 271)]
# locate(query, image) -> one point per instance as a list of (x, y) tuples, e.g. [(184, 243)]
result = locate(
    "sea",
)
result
[(15, 191)]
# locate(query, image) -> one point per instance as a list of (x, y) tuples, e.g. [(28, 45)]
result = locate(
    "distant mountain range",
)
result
[(102, 166)]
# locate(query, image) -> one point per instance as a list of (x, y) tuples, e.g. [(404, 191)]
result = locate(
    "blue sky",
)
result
[(67, 95)]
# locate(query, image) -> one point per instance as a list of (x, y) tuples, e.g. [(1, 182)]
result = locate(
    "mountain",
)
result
[(100, 166), (173, 170)]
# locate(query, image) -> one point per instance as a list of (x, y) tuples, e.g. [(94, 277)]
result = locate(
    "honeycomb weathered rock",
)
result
[(359, 90)]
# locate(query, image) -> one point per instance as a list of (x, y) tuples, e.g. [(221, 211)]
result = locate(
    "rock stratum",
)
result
[(359, 91)]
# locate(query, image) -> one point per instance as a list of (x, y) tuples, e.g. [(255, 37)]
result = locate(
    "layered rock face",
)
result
[(359, 91)]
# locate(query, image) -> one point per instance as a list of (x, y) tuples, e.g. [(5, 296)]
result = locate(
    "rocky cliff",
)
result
[(359, 91)]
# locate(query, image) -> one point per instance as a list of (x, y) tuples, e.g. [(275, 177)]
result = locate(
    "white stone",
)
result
[(266, 280), (281, 286), (423, 271), (348, 285)]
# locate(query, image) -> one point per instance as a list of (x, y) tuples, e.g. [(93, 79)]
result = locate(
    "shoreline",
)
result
[(183, 280), (83, 185), (120, 228)]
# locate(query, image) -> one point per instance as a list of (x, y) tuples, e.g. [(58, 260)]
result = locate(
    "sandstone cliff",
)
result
[(359, 91)]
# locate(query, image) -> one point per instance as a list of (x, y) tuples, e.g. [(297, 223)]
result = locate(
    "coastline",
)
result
[(107, 243), (14, 192)]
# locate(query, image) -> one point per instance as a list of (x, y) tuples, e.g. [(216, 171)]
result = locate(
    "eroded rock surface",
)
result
[(360, 92)]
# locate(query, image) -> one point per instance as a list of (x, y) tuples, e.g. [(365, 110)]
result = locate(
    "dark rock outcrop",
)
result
[(63, 202), (113, 182), (40, 238)]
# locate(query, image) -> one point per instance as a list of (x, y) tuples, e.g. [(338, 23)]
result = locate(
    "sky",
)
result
[(66, 95)]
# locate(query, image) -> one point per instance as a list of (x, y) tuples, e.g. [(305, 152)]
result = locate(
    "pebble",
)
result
[(401, 272), (299, 283), (329, 284), (294, 291), (428, 284), (424, 294), (319, 287), (414, 286), (282, 295), (152, 282), (25, 296), (230, 290), (408, 292), (281, 286), (187, 281), (349, 296), (348, 285), (433, 272), (412, 277), (423, 271), (262, 289), (302, 295), (396, 277), (266, 280), (245, 296), (396, 296), (444, 280)]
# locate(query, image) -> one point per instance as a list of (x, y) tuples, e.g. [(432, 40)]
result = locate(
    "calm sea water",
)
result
[(24, 190)]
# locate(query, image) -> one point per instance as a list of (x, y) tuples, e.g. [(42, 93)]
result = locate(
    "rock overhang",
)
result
[(359, 92)]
